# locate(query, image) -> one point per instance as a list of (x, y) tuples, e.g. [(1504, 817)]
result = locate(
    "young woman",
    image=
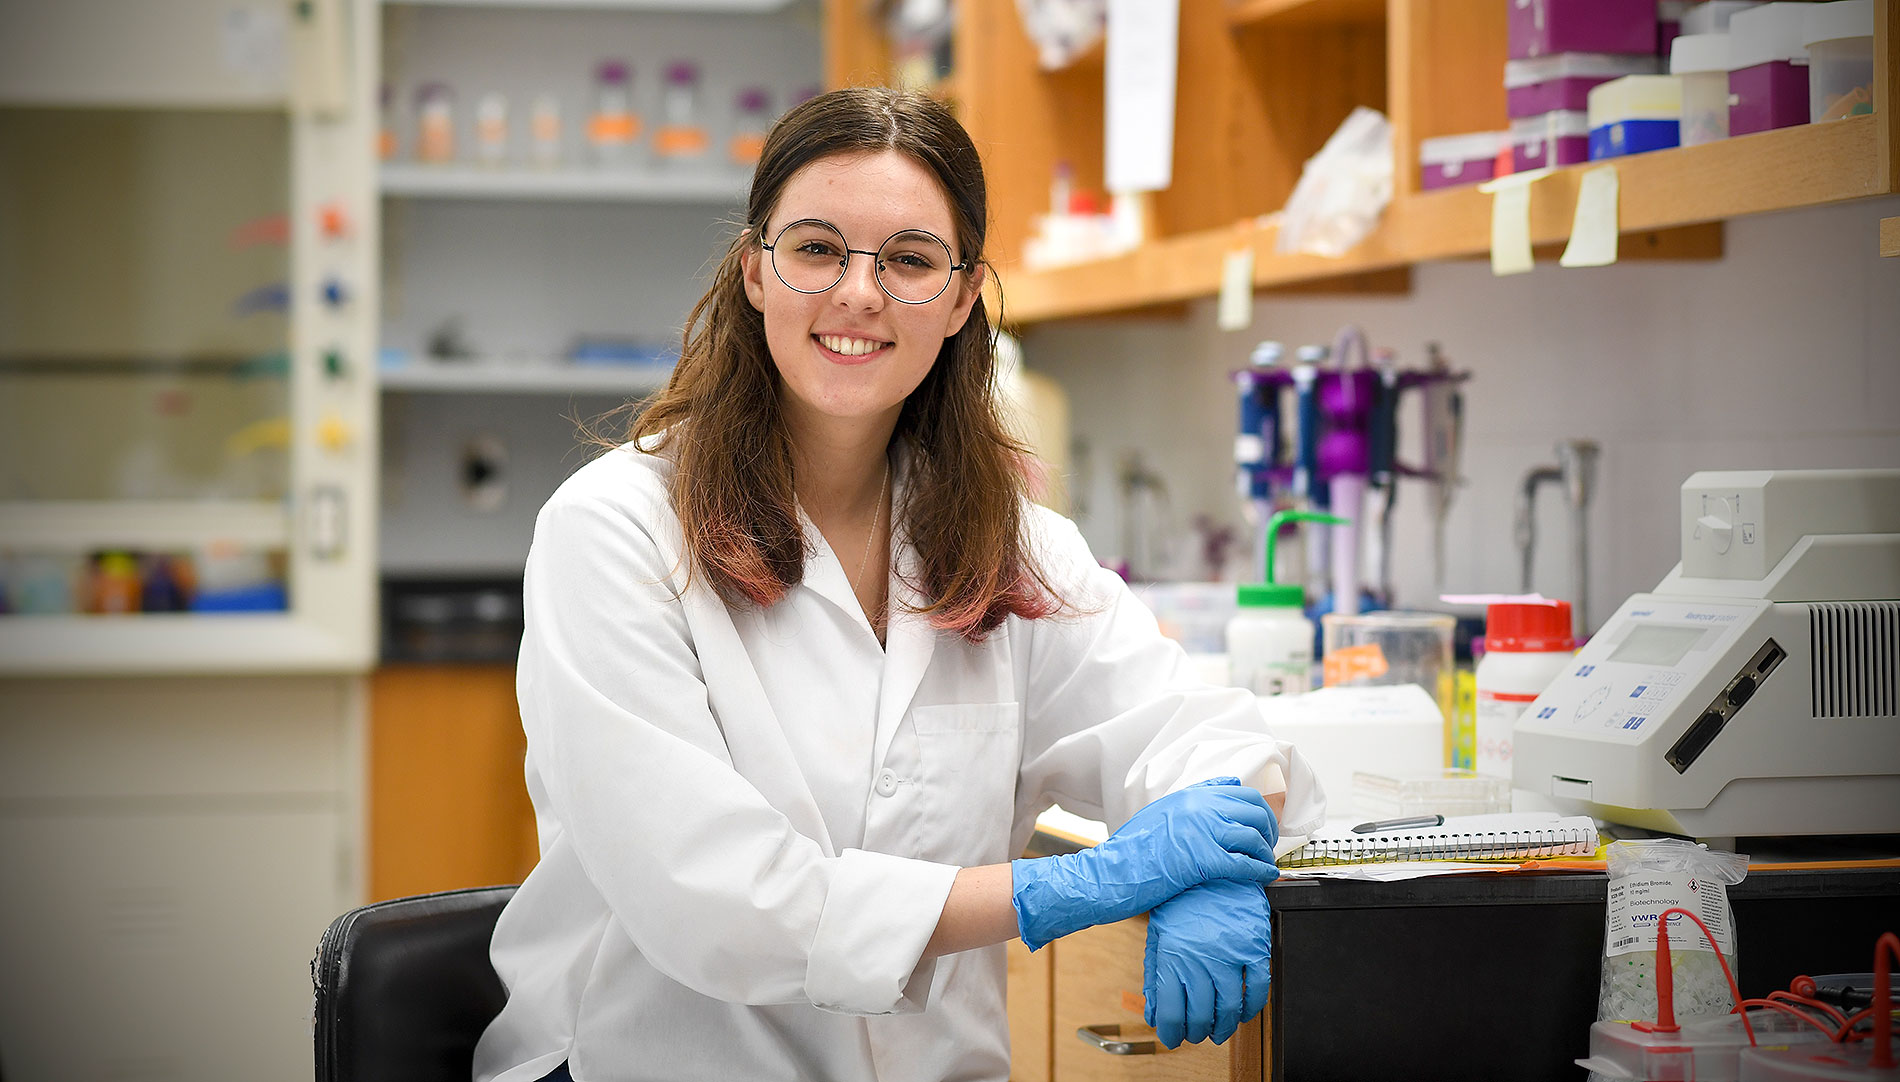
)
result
[(802, 665)]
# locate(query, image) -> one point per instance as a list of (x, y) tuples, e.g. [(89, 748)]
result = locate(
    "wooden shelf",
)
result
[(550, 377), (601, 185), (1779, 170), (1257, 14)]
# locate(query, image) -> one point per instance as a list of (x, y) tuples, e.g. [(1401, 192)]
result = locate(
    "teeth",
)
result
[(850, 347)]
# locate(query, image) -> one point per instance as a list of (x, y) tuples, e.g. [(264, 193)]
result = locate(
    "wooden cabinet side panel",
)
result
[(1098, 979), (1887, 91), (1030, 976), (1433, 94), (1253, 106), (447, 804), (856, 51), (1024, 120)]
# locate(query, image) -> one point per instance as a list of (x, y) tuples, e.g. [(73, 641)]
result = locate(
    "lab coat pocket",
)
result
[(969, 755)]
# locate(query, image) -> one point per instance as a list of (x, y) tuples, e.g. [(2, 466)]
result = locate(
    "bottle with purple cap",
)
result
[(751, 119), (613, 125), (681, 138), (435, 123)]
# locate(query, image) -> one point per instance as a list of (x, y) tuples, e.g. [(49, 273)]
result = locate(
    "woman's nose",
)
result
[(859, 288)]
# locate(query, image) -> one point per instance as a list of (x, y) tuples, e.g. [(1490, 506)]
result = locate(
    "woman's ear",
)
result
[(972, 289), (752, 269)]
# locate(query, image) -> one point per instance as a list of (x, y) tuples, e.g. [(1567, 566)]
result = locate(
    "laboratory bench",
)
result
[(1473, 976), (1479, 976)]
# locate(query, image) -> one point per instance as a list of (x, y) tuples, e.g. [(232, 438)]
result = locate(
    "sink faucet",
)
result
[(1575, 471)]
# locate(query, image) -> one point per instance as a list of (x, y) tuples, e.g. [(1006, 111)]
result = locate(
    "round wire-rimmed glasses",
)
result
[(912, 266)]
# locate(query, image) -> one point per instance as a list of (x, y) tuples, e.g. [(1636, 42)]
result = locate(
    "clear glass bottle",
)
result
[(681, 138), (614, 126), (491, 128), (544, 129), (751, 120)]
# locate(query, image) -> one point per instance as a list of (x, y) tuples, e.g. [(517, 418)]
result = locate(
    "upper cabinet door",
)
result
[(146, 53)]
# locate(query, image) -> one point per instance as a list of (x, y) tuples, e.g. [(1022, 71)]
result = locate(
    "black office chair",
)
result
[(404, 988)]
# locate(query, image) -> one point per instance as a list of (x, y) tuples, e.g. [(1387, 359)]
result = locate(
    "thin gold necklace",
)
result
[(877, 518)]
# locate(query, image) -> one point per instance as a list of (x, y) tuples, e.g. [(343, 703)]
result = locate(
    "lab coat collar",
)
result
[(909, 640)]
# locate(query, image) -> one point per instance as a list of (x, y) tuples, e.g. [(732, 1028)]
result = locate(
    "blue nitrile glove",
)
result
[(1206, 967), (1216, 829)]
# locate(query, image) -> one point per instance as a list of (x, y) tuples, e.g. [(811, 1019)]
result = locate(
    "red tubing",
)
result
[(1887, 947)]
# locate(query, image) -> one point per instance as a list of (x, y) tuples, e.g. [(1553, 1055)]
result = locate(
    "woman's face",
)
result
[(852, 352)]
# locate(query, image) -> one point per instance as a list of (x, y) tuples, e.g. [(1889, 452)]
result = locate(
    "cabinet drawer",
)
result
[(177, 737), (1098, 983)]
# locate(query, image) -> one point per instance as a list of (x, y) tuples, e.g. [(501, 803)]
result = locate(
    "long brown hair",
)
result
[(719, 414)]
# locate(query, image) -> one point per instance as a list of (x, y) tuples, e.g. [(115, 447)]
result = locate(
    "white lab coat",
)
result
[(749, 820)]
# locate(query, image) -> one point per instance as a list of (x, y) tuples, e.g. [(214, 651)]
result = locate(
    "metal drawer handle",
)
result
[(1107, 1038)]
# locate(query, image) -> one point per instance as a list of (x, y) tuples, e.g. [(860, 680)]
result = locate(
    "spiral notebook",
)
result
[(1516, 837)]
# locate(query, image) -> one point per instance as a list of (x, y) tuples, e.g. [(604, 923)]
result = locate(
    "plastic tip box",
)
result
[(1451, 160), (1543, 27), (1564, 81), (1767, 78), (1706, 1049), (1551, 139), (1634, 114)]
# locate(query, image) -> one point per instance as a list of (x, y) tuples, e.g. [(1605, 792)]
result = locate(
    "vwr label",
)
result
[(1637, 903)]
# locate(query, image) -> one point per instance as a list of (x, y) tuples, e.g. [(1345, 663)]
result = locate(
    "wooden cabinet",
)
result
[(1092, 979), (1263, 83), (1097, 984), (1030, 978), (447, 804)]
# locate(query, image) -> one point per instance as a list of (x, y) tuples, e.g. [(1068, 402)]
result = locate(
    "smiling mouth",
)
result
[(850, 347)]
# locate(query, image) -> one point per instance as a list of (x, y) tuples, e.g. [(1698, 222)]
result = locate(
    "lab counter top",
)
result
[(451, 619), (1496, 975)]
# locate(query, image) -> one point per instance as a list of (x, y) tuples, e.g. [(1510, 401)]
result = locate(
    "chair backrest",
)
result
[(404, 988)]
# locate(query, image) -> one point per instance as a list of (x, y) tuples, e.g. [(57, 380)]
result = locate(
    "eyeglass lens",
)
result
[(912, 266)]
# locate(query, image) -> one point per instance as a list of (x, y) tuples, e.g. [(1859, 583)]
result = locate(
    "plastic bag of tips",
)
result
[(1342, 190), (1647, 877)]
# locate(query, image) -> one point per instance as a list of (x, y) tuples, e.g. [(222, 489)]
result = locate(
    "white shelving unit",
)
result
[(518, 261), (549, 377), (474, 182), (78, 525), (693, 6)]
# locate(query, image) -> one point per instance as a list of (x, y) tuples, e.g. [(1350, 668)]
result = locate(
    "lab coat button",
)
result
[(886, 783)]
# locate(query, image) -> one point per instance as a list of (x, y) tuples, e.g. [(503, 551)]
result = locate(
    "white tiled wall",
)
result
[(1785, 353)]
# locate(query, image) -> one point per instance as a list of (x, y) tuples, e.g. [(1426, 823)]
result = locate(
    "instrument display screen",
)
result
[(1657, 644)]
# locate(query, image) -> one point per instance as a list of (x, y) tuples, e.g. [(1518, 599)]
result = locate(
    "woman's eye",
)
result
[(912, 261), (817, 248)]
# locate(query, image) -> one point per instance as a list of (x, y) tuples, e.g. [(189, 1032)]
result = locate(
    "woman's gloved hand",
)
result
[(1216, 829), (1206, 967)]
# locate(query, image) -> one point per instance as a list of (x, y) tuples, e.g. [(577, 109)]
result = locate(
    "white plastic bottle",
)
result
[(1270, 640), (1526, 646)]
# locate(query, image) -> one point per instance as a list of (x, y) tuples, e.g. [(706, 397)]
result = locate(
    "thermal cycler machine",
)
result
[(1753, 693)]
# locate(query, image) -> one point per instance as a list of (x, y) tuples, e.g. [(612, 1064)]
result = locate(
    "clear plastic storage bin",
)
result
[(1446, 792), (1840, 40), (1701, 62)]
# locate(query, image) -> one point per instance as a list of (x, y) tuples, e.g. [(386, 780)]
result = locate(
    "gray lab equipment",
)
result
[(1753, 692)]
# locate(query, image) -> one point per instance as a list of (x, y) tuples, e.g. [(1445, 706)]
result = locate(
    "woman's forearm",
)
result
[(981, 908)]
